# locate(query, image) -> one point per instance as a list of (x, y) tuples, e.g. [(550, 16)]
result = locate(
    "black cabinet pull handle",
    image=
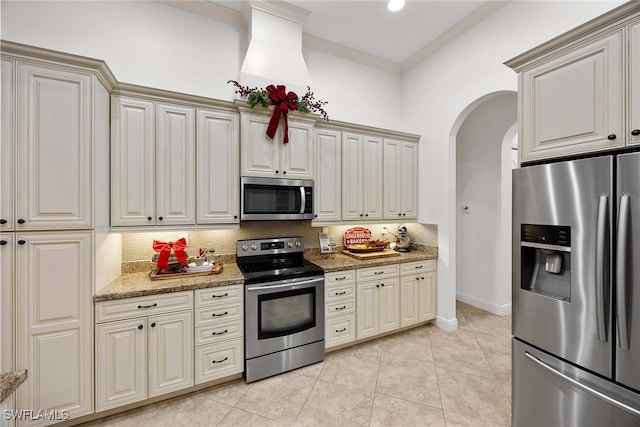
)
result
[(341, 293), (160, 218), (341, 278), (341, 330), (3, 221), (378, 272), (635, 132), (3, 242), (611, 137), (419, 266), (149, 218), (220, 333), (155, 304), (218, 315), (140, 326), (153, 325), (220, 296), (21, 221), (341, 308), (22, 242), (220, 361)]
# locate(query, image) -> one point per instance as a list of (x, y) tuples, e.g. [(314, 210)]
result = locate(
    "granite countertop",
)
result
[(9, 382), (139, 284)]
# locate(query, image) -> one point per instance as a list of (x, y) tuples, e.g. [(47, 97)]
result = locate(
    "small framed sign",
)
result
[(327, 245), (356, 236)]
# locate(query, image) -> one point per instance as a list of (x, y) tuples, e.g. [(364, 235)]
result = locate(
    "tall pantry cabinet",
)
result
[(55, 114)]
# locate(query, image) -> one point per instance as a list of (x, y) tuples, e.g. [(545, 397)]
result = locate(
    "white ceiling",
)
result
[(365, 31)]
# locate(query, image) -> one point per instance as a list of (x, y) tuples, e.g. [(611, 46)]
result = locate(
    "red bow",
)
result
[(283, 102), (165, 248)]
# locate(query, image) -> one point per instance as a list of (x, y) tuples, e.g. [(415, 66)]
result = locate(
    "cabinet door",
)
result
[(296, 156), (54, 149), (633, 111), (54, 318), (427, 297), (328, 175), (7, 145), (218, 180), (132, 162), (409, 182), (7, 295), (175, 165), (121, 363), (372, 177), (571, 104), (170, 352), (409, 295), (352, 184), (392, 179), (389, 291), (259, 152), (368, 311)]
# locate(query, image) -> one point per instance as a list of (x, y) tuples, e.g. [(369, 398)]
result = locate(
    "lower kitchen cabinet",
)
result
[(340, 308), (144, 356), (378, 300), (417, 292)]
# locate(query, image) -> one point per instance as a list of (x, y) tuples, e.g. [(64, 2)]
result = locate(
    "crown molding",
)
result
[(208, 9), (281, 9)]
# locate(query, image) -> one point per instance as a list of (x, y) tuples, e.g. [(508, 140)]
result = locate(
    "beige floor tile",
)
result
[(336, 405), (506, 387), (461, 356), (458, 420), (392, 412), (408, 346), (312, 371), (409, 381), (228, 393), (279, 398), (357, 369), (240, 418), (473, 396)]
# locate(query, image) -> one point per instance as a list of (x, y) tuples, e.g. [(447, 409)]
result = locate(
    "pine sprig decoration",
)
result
[(312, 104)]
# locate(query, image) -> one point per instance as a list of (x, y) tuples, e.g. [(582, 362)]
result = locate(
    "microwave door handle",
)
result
[(621, 273), (601, 279), (303, 200)]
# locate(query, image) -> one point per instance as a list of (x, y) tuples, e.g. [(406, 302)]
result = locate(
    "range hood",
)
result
[(274, 55)]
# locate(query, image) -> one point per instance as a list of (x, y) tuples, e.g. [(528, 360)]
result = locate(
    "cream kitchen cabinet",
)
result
[(47, 145), (144, 348), (340, 308), (633, 112), (217, 158), (262, 156), (417, 292), (378, 300), (7, 303), (54, 336), (152, 163), (328, 175), (400, 179), (361, 177)]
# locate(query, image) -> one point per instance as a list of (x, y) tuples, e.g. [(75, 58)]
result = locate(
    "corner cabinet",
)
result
[(400, 179), (417, 292), (265, 157), (361, 177)]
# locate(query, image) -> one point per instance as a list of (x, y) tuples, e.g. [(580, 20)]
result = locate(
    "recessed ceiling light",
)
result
[(395, 5)]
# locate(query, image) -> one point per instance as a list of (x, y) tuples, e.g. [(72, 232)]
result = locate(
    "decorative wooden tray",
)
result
[(366, 250), (157, 275), (371, 255)]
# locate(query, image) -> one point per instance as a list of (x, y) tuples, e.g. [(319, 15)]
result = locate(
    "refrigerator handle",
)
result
[(621, 272), (602, 285), (582, 386)]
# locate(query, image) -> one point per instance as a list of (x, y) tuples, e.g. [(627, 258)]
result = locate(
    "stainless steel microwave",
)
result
[(275, 199)]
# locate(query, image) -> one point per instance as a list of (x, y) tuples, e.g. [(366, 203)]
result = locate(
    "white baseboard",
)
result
[(448, 325), (500, 310)]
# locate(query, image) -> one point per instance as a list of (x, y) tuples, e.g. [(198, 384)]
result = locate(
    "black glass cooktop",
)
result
[(271, 268)]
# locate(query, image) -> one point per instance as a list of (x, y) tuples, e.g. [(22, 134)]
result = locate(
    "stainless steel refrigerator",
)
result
[(576, 293)]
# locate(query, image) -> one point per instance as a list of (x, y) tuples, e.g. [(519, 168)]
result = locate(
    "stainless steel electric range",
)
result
[(284, 306)]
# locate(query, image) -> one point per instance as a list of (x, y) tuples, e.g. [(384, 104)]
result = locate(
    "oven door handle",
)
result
[(278, 285)]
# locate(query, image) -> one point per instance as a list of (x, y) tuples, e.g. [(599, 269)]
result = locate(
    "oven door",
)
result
[(282, 315)]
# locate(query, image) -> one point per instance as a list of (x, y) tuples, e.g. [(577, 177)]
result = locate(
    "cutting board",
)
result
[(371, 255), (154, 275)]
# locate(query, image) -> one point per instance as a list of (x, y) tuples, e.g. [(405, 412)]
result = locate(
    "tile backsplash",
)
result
[(138, 246)]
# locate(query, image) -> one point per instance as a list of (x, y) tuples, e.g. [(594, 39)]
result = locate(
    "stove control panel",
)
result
[(269, 246)]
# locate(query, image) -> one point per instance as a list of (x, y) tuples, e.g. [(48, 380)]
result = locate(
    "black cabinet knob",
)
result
[(404, 214), (160, 218), (276, 171), (235, 217), (153, 325), (366, 214), (140, 326), (3, 242), (149, 218), (284, 172), (3, 221), (22, 242), (399, 214), (377, 286), (635, 132), (611, 137), (21, 221), (315, 216), (361, 215)]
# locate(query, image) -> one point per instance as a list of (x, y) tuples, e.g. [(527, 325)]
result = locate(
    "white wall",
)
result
[(449, 82), (480, 259)]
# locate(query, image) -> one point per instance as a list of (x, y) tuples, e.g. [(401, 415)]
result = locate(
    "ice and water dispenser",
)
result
[(546, 260)]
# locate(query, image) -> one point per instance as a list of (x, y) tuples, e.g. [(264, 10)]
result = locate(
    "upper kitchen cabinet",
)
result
[(152, 163), (361, 177), (262, 156), (328, 182), (217, 153), (573, 90), (47, 143), (400, 179)]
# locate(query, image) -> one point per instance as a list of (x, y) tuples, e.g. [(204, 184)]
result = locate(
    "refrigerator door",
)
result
[(627, 268), (548, 392), (565, 313)]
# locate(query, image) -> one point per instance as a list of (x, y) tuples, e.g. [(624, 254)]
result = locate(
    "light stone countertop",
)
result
[(138, 284), (10, 381)]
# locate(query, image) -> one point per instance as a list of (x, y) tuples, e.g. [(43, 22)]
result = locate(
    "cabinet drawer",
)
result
[(339, 278), (380, 272), (340, 330), (412, 267), (219, 331), (218, 313), (219, 295), (341, 307), (339, 292), (219, 360), (143, 306)]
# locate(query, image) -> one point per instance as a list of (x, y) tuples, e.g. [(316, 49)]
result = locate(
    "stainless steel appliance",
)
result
[(576, 293), (275, 199), (284, 306)]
